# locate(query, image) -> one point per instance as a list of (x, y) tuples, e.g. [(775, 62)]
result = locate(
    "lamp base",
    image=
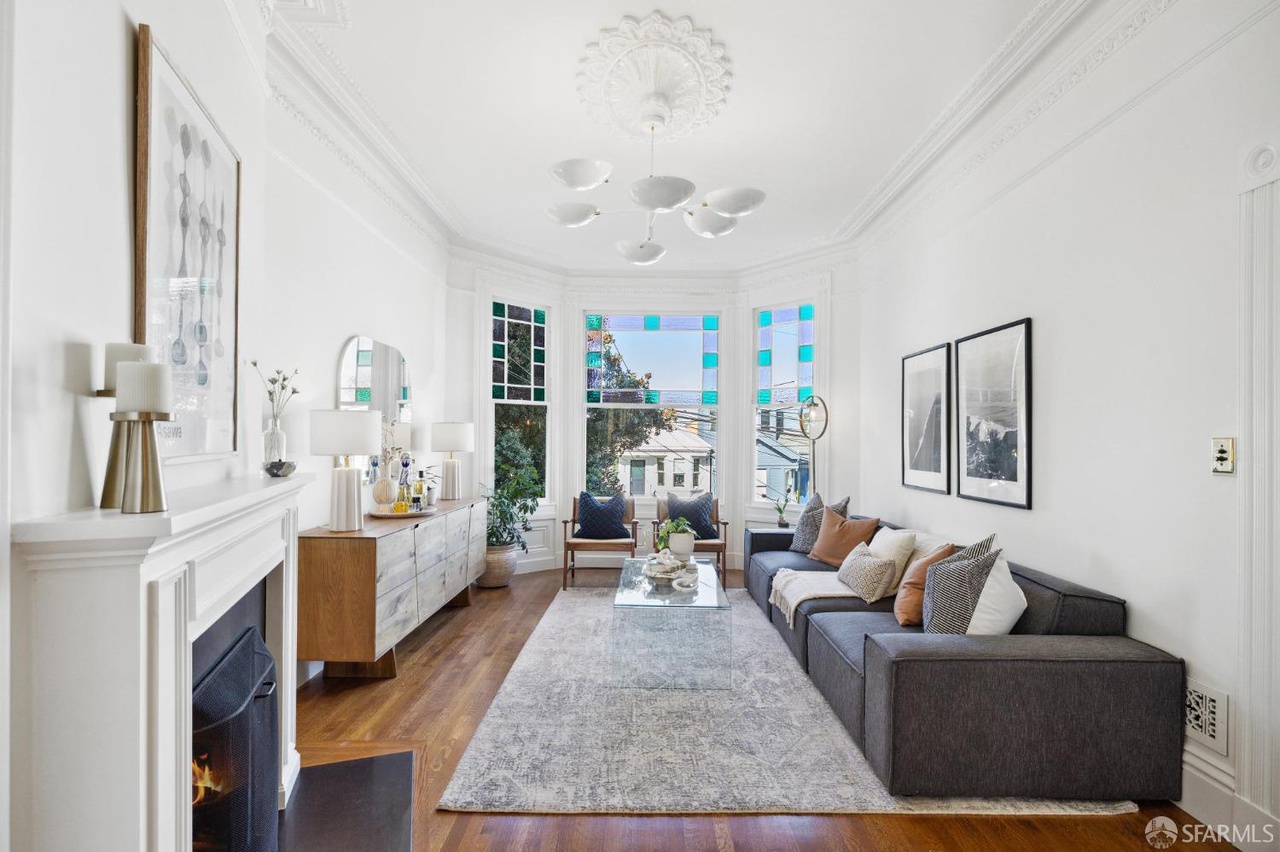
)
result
[(451, 486), (346, 514)]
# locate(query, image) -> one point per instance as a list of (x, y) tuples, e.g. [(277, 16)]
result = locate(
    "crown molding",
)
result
[(324, 13)]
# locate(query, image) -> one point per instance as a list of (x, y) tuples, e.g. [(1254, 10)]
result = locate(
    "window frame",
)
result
[(819, 310), (548, 364)]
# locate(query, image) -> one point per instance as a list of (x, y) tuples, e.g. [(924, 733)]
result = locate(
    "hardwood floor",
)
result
[(452, 666)]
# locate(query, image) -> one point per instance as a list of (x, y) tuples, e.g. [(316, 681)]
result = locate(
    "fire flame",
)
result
[(203, 782)]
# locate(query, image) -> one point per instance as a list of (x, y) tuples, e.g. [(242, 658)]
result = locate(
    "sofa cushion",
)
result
[(846, 632), (797, 634), (597, 520), (811, 521), (764, 566), (867, 573), (695, 510), (839, 535), (908, 605), (1061, 607), (952, 589)]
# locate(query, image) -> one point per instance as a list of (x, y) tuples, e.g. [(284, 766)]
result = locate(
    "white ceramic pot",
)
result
[(681, 545)]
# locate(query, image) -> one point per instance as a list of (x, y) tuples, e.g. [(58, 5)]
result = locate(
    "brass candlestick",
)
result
[(140, 487)]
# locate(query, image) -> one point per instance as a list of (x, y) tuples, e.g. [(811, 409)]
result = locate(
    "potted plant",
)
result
[(780, 506), (512, 501), (677, 536)]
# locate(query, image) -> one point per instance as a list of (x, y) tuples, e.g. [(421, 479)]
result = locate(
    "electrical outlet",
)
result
[(1224, 455)]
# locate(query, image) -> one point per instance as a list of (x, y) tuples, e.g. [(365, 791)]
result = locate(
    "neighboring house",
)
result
[(779, 467), (679, 462)]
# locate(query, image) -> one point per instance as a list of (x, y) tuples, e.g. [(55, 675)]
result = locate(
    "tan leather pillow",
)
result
[(838, 536), (908, 606)]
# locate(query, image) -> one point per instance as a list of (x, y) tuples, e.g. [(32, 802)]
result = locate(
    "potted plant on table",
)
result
[(512, 501), (677, 535), (780, 506)]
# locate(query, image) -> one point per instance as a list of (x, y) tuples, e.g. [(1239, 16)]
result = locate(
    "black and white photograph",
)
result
[(185, 276), (926, 414), (993, 422)]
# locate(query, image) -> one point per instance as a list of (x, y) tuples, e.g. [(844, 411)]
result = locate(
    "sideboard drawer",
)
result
[(430, 535), (431, 591), (455, 574), (395, 561), (397, 614)]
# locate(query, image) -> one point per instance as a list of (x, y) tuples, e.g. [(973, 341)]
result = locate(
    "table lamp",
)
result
[(452, 438), (345, 434)]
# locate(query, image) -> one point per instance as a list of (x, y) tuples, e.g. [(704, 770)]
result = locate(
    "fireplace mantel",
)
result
[(106, 607)]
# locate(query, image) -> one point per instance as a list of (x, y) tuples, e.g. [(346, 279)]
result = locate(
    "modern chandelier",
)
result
[(657, 79)]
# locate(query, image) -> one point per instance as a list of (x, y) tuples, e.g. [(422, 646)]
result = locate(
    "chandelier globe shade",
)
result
[(738, 201), (640, 252), (706, 222), (581, 174), (662, 193), (573, 214)]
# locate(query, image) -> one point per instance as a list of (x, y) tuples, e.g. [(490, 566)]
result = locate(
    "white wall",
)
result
[(6, 170)]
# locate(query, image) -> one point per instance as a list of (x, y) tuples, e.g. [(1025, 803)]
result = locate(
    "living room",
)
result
[(914, 239)]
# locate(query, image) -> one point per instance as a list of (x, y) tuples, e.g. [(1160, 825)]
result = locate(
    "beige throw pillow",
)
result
[(866, 573), (895, 545)]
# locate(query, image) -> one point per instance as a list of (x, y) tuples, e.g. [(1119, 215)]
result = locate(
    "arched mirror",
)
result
[(373, 376)]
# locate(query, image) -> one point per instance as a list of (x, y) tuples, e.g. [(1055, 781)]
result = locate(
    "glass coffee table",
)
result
[(666, 637)]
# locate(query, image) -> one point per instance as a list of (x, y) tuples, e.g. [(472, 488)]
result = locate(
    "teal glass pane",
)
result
[(499, 350), (593, 396), (763, 397), (594, 359), (594, 322), (709, 360), (404, 392), (765, 319), (806, 312), (364, 394), (364, 357), (651, 397), (805, 393), (710, 398), (806, 353), (539, 394), (499, 392), (652, 323), (499, 309), (539, 356), (540, 317), (710, 341), (764, 357), (710, 323), (681, 323)]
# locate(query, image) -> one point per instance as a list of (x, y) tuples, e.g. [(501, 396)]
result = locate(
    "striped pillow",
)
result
[(806, 535), (952, 588)]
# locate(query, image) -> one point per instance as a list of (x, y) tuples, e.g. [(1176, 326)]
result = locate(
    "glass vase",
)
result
[(384, 489), (273, 442)]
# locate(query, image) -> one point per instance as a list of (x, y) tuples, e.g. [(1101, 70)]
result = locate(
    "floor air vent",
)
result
[(1206, 716)]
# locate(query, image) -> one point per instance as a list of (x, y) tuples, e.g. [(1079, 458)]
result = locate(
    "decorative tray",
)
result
[(424, 513)]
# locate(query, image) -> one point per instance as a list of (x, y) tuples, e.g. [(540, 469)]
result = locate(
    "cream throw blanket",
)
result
[(792, 588)]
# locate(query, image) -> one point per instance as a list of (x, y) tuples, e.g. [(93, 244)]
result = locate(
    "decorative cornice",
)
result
[(325, 13)]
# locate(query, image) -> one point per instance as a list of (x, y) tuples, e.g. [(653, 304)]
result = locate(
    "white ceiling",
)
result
[(827, 96)]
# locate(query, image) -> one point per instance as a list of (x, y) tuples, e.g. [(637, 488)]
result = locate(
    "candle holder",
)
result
[(134, 479)]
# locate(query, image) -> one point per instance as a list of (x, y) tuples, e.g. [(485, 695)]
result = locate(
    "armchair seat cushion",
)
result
[(578, 543)]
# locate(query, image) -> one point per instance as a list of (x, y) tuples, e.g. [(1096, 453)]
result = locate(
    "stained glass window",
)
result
[(519, 355), (653, 359), (784, 355)]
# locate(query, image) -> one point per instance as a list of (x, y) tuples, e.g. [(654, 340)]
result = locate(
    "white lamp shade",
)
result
[(706, 222), (573, 214), (453, 437), (640, 252), (345, 433), (662, 193), (738, 201), (581, 174)]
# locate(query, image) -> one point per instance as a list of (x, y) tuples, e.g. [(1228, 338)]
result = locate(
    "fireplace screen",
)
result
[(235, 764)]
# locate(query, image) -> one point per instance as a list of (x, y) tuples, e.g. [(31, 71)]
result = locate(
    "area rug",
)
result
[(559, 738)]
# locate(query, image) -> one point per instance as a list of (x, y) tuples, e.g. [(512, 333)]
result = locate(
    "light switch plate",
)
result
[(1224, 455)]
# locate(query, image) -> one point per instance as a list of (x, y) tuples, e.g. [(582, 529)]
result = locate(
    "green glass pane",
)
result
[(710, 397), (652, 323), (651, 397), (499, 392), (806, 354), (710, 359), (710, 323), (764, 397), (364, 394), (499, 350), (764, 357), (593, 359), (540, 356), (540, 317), (404, 392), (593, 396), (539, 394), (364, 357), (806, 312), (805, 393), (595, 322), (499, 309), (766, 318)]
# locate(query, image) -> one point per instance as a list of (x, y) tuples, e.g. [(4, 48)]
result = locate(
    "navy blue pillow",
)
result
[(697, 511), (601, 520)]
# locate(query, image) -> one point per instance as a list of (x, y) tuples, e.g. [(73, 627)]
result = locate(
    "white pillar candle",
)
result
[(117, 352), (144, 387)]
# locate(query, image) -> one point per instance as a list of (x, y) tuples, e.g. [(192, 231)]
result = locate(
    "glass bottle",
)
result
[(273, 442), (420, 484)]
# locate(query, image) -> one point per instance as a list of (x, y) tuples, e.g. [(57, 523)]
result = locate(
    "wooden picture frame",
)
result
[(186, 266), (993, 415), (926, 419)]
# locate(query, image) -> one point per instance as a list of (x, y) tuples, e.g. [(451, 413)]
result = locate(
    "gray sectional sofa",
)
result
[(1066, 706)]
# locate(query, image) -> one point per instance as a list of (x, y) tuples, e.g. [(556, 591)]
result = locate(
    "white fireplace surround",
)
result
[(106, 608)]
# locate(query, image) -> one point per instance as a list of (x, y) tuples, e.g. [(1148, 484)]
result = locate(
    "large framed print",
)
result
[(993, 415), (926, 419), (186, 255)]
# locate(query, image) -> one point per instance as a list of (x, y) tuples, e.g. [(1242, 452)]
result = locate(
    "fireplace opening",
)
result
[(235, 765)]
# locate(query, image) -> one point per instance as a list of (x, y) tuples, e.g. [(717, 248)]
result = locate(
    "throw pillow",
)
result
[(952, 588), (926, 543), (601, 520), (838, 535), (1001, 603), (810, 523), (908, 606), (866, 573), (896, 546), (697, 511)]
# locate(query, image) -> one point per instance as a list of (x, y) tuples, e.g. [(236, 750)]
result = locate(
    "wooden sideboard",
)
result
[(359, 593)]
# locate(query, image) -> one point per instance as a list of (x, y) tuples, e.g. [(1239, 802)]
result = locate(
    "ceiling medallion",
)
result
[(656, 72), (654, 79)]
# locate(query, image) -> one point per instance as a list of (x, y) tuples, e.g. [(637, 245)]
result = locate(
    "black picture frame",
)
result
[(990, 466), (926, 437)]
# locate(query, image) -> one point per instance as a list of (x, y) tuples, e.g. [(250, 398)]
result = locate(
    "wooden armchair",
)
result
[(702, 545), (574, 546)]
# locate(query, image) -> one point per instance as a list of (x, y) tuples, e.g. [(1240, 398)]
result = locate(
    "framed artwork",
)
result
[(926, 419), (993, 415), (186, 255)]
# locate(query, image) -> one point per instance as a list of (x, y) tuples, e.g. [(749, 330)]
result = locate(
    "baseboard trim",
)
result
[(1206, 797)]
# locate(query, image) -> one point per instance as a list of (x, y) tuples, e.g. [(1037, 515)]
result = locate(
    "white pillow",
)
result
[(926, 543), (896, 546), (1001, 603)]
